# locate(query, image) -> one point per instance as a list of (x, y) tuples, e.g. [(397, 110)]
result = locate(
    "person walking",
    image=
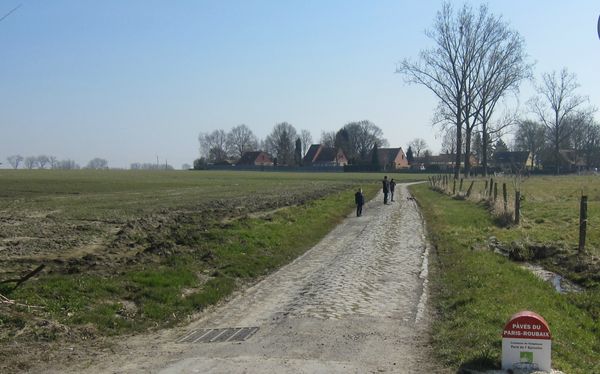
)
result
[(392, 188), (386, 189), (359, 199)]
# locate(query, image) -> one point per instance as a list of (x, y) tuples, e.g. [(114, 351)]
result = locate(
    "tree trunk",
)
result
[(467, 152), (458, 142)]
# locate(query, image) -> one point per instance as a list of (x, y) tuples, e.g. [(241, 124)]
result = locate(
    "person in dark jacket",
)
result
[(392, 188), (359, 199), (386, 189)]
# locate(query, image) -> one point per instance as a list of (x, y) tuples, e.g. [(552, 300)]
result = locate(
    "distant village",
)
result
[(320, 157)]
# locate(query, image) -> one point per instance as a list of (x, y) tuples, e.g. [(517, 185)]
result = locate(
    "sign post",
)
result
[(526, 343)]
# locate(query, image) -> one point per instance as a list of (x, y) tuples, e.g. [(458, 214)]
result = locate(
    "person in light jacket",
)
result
[(392, 188)]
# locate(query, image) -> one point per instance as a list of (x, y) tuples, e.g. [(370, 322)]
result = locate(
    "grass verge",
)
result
[(476, 291)]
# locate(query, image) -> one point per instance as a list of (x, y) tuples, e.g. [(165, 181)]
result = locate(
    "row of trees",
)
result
[(51, 162), (288, 145), (580, 133), (475, 62)]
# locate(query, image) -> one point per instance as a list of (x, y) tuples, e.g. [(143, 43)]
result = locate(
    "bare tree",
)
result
[(449, 143), (585, 138), (503, 68), (476, 59), (240, 140), (30, 162), (42, 161), (361, 137), (281, 143), (555, 102), (444, 69), (67, 165), (530, 136), (213, 146), (328, 138), (185, 167), (418, 145), (306, 139), (97, 164), (14, 160), (52, 160)]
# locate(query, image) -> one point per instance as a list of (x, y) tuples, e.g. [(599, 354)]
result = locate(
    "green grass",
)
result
[(476, 291), (550, 208)]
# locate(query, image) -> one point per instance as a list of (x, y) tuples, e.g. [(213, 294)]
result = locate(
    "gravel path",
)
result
[(354, 303)]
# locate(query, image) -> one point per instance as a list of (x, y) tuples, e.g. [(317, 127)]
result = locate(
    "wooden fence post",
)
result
[(470, 188), (505, 197), (454, 187), (489, 194), (495, 191), (517, 207), (582, 223), (461, 185)]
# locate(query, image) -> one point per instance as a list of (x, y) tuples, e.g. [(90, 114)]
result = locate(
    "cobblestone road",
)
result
[(353, 303)]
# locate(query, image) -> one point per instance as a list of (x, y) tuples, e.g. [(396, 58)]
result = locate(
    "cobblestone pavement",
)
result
[(354, 303), (367, 266)]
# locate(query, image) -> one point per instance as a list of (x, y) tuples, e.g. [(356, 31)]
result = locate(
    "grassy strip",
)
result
[(476, 291), (215, 262)]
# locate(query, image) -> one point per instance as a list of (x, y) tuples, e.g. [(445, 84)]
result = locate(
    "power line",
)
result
[(12, 11)]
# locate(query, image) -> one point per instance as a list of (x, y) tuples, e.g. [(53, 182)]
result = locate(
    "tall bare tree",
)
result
[(504, 67), (14, 160), (328, 138), (306, 139), (213, 146), (444, 69), (281, 143), (241, 139), (585, 137), (97, 164), (530, 136), (30, 162), (43, 160), (361, 137), (476, 59), (418, 145), (555, 102)]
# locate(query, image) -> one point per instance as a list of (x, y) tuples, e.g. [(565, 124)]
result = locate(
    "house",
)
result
[(320, 156), (513, 161), (445, 161), (256, 158), (568, 160), (391, 158)]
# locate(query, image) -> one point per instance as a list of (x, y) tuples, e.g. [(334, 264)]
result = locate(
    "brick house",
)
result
[(391, 158), (513, 161), (256, 158), (321, 156)]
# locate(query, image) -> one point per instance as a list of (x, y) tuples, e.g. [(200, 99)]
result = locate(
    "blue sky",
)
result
[(132, 80)]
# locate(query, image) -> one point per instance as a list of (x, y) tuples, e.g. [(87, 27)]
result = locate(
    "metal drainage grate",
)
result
[(232, 334)]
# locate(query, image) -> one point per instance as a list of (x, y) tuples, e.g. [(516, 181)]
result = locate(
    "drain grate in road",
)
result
[(232, 334)]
